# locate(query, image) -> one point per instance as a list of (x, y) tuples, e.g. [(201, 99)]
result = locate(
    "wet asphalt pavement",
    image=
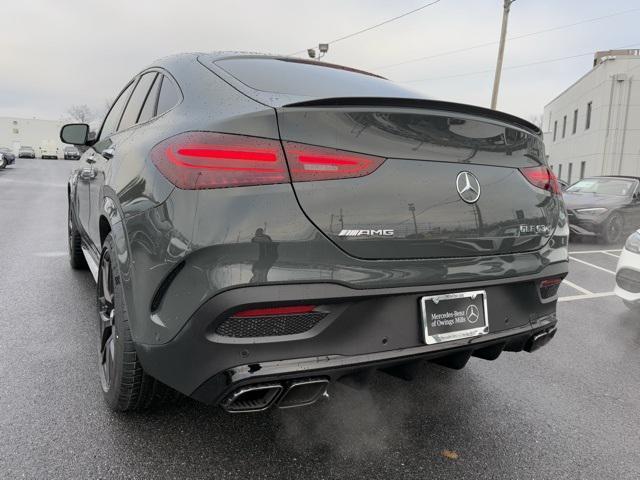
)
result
[(568, 411)]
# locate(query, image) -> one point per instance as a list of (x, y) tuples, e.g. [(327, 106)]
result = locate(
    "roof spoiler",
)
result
[(418, 103)]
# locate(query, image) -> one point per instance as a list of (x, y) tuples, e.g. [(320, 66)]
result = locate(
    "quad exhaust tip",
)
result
[(303, 392), (252, 398), (540, 339), (259, 397)]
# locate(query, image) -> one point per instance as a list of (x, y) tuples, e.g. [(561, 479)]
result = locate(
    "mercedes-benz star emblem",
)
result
[(473, 314), (468, 187)]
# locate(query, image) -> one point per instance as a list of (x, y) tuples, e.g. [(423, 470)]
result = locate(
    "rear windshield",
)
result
[(603, 186), (310, 79)]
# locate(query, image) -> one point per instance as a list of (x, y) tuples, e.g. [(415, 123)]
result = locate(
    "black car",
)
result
[(563, 185), (260, 226), (6, 157), (26, 152), (603, 208), (71, 153)]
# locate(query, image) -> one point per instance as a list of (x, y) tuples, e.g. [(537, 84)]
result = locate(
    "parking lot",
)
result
[(567, 411)]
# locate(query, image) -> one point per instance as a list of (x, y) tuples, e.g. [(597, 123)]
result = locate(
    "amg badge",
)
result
[(367, 233)]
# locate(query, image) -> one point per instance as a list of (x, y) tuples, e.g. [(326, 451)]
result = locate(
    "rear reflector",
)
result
[(542, 177), (549, 287), (275, 311), (308, 163), (202, 160)]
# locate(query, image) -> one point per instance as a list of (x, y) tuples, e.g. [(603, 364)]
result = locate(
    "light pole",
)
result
[(412, 209), (503, 35)]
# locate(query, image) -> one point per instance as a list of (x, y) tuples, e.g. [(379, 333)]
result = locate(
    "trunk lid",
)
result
[(410, 206)]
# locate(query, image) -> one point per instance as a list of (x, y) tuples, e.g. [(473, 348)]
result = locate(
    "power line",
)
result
[(515, 37), (373, 26), (513, 66)]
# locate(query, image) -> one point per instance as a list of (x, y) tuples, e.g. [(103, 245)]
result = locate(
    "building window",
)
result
[(15, 130), (587, 122), (564, 126), (15, 122), (583, 166), (555, 130), (560, 171), (569, 173), (575, 122)]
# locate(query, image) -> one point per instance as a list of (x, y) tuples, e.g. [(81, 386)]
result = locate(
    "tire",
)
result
[(76, 257), (125, 385), (612, 228), (3, 163), (634, 307)]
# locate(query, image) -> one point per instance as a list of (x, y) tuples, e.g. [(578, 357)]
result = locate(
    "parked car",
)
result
[(6, 157), (26, 152), (628, 273), (563, 185), (603, 207), (49, 150), (260, 226), (71, 153)]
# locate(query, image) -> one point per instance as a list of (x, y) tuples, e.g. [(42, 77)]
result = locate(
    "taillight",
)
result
[(309, 163), (201, 160), (542, 177)]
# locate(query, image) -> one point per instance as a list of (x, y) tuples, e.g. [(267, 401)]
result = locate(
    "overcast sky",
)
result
[(56, 53)]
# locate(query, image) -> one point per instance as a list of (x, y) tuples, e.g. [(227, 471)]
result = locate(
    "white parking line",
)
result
[(32, 182), (577, 287), (592, 265), (593, 251), (611, 254), (585, 297)]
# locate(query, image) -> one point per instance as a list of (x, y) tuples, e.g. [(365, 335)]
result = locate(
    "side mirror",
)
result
[(75, 133)]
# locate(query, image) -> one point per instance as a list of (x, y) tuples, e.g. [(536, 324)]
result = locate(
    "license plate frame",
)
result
[(435, 334)]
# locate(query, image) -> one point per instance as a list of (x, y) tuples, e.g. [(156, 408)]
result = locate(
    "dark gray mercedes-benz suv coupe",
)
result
[(261, 226)]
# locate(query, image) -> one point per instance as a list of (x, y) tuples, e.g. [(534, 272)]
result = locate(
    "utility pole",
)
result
[(503, 35), (412, 209)]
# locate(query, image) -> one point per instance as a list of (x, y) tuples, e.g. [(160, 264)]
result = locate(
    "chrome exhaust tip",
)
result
[(252, 398), (303, 392), (540, 339)]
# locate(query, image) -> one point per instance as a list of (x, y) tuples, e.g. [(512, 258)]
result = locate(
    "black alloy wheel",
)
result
[(613, 228), (107, 326)]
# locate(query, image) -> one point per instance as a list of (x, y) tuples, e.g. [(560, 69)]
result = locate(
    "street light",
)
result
[(323, 48)]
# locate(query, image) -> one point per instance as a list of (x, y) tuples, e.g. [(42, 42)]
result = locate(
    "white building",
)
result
[(593, 127), (16, 132)]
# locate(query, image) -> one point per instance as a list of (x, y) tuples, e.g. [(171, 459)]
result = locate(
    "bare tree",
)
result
[(80, 113)]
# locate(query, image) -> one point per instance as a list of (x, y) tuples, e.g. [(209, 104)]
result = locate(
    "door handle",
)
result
[(108, 153)]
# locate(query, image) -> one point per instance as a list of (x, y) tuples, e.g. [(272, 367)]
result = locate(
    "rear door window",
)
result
[(138, 96), (149, 107), (169, 97), (110, 123)]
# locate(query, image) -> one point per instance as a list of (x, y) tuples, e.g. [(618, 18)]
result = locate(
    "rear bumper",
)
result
[(334, 367), (365, 329)]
